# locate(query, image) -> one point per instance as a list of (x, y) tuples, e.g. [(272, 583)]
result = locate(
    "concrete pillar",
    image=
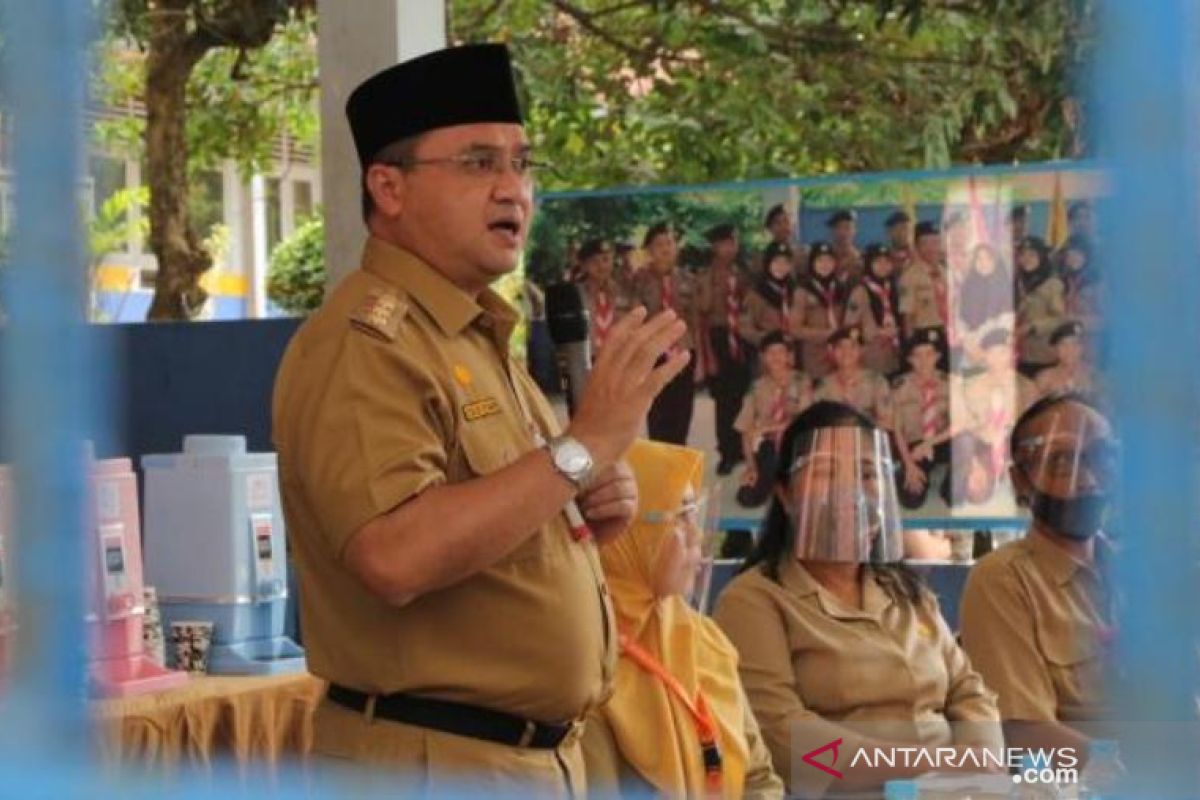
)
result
[(355, 40), (257, 273)]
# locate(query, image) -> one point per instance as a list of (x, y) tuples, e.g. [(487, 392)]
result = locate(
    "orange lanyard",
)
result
[(701, 716)]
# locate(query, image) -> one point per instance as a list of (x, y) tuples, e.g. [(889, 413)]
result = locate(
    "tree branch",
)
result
[(486, 13), (586, 21)]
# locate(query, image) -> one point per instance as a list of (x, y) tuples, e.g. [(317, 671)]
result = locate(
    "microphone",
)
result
[(567, 318)]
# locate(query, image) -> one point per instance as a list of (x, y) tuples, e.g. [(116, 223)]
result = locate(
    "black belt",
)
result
[(457, 718)]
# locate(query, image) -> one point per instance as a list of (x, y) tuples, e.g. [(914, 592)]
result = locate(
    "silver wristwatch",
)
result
[(572, 460)]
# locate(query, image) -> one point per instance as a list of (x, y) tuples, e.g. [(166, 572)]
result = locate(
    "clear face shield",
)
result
[(690, 545), (1069, 457), (841, 497)]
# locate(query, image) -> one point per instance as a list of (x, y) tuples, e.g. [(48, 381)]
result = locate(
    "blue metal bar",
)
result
[(49, 394), (1147, 98), (863, 178), (913, 524)]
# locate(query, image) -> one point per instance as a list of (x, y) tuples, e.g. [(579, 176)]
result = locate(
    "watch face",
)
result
[(573, 458)]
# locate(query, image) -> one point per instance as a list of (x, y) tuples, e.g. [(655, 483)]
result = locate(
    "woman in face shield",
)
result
[(1037, 613), (678, 723), (842, 650)]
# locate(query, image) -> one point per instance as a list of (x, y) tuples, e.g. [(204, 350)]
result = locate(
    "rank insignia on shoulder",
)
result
[(380, 313)]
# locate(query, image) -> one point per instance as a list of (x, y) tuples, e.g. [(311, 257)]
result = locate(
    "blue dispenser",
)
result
[(215, 549)]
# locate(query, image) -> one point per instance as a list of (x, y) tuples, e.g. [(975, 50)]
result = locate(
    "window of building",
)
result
[(274, 214), (108, 178), (302, 201), (206, 202)]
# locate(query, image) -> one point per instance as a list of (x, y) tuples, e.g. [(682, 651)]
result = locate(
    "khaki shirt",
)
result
[(618, 304), (400, 383), (849, 262), (868, 392), (1038, 313), (880, 353), (919, 292), (1053, 380), (713, 285), (610, 775), (759, 403), (1035, 623), (759, 317), (908, 408), (901, 257), (1084, 304), (809, 311), (816, 670), (648, 290)]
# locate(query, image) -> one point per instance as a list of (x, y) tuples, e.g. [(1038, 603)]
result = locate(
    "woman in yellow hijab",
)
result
[(678, 723)]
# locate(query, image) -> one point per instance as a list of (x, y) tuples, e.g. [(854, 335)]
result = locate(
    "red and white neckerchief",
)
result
[(889, 315), (733, 310), (999, 419), (668, 301), (828, 299), (931, 416), (668, 293), (778, 416), (604, 316)]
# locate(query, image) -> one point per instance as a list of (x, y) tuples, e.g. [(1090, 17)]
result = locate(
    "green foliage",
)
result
[(296, 279), (692, 91), (114, 223), (240, 102)]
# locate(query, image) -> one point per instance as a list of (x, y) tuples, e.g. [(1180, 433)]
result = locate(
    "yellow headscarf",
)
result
[(655, 733)]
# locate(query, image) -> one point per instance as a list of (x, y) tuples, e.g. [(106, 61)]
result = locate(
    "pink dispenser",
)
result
[(8, 615), (115, 608)]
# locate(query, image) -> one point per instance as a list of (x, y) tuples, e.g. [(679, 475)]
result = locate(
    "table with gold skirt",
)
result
[(249, 721)]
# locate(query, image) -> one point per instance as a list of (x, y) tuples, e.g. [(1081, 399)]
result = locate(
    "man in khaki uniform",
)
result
[(851, 383), (843, 227), (1037, 613), (606, 299), (723, 287), (450, 588), (774, 400), (923, 290), (993, 400), (1071, 373), (921, 409), (660, 286), (898, 227), (782, 230)]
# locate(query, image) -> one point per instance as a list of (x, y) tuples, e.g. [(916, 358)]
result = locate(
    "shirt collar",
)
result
[(796, 579), (1058, 563), (449, 306)]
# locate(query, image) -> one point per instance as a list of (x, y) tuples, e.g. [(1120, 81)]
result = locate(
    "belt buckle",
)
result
[(528, 734)]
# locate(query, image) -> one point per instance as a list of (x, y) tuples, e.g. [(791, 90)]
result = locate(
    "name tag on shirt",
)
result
[(480, 409)]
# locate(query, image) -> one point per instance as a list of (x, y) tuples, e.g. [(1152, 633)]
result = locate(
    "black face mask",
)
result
[(1079, 518)]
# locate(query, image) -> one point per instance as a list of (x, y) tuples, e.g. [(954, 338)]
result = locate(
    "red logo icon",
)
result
[(810, 758)]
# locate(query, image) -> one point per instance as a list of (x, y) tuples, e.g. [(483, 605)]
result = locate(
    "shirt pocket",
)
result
[(1074, 662), (488, 446)]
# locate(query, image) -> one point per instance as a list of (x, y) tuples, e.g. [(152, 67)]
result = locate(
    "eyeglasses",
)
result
[(689, 514), (482, 164), (1062, 460)]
